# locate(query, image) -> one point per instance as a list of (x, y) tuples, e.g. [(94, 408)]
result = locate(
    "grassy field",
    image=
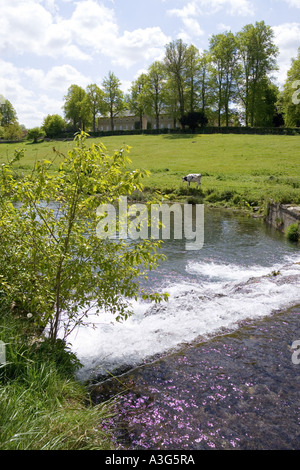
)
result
[(239, 170)]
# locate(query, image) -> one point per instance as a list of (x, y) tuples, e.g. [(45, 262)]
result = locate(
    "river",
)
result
[(212, 368)]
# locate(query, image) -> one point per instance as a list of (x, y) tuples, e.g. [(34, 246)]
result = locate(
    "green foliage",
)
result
[(225, 71), (12, 131), (291, 96), (175, 61), (155, 91), (114, 101), (8, 113), (231, 83), (50, 413), (35, 134), (77, 107), (258, 59), (137, 100), (52, 263), (293, 233), (42, 406), (53, 125), (95, 99), (194, 120)]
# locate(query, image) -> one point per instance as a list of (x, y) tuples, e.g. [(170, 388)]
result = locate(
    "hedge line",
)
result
[(201, 130), (206, 130)]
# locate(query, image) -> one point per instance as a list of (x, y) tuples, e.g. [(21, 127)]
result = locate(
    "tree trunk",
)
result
[(157, 121)]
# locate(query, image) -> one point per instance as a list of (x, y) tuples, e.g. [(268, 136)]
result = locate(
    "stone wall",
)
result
[(281, 216)]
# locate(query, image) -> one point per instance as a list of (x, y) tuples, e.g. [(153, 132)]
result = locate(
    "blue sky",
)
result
[(47, 45)]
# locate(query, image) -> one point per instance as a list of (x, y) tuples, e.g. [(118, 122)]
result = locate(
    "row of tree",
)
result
[(230, 84)]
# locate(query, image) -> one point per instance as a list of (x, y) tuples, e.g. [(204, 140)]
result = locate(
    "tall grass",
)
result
[(42, 406)]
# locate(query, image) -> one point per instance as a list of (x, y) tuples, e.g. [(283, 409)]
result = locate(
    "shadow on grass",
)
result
[(179, 136), (31, 142)]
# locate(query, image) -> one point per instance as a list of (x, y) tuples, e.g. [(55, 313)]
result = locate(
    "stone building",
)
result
[(130, 122)]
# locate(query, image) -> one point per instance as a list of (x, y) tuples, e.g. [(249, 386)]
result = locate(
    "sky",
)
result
[(48, 45)]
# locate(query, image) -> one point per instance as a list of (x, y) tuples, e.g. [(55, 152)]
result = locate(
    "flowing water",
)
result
[(212, 367)]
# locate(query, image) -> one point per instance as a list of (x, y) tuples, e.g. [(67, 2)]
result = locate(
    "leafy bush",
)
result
[(35, 134), (54, 125), (293, 233), (213, 197), (12, 132), (49, 267), (194, 200), (227, 195)]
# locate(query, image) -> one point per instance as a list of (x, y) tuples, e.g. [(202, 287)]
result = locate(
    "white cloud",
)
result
[(91, 25), (88, 31), (23, 25), (28, 27), (293, 3), (33, 26), (11, 86), (138, 45), (223, 27), (287, 38), (35, 93), (188, 16), (194, 8), (58, 78)]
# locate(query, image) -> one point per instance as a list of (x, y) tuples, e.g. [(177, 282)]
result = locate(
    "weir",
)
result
[(244, 271)]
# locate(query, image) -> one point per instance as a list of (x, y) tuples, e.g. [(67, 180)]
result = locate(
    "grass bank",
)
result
[(238, 170), (42, 406)]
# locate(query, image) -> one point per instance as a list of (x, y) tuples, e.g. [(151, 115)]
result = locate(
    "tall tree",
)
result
[(266, 99), (176, 56), (223, 53), (137, 98), (193, 78), (8, 113), (171, 101), (113, 97), (291, 94), (77, 108), (258, 54), (155, 91), (204, 80), (95, 99)]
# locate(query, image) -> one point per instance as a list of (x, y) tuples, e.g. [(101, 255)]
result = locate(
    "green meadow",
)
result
[(238, 170)]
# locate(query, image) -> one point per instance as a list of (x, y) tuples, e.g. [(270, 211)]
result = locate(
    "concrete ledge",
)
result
[(281, 216)]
